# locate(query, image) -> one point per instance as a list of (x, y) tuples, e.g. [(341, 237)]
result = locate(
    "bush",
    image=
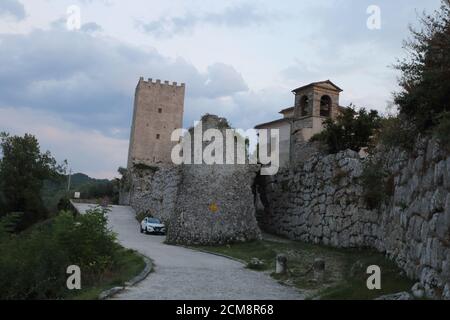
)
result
[(8, 222), (374, 185), (100, 190), (33, 264), (351, 130), (64, 204), (397, 133), (442, 131)]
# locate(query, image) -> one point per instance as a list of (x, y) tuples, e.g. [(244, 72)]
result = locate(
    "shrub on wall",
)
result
[(373, 180), (351, 130), (442, 131), (398, 133)]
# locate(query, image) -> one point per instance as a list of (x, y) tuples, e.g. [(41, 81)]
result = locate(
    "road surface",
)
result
[(185, 274)]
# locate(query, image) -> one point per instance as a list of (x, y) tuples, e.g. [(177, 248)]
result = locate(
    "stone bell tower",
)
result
[(158, 110), (313, 104)]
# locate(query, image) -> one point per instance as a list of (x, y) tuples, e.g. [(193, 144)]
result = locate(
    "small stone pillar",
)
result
[(319, 269), (281, 264)]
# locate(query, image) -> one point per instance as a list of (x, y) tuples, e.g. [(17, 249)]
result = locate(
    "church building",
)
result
[(313, 104)]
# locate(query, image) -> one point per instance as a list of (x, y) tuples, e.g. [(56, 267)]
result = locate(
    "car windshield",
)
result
[(153, 220)]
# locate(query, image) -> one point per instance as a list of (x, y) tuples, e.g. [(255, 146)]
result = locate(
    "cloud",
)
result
[(88, 27), (91, 27), (236, 16), (244, 109), (12, 8), (75, 91), (87, 151), (223, 80), (340, 47), (89, 79), (105, 2), (78, 87)]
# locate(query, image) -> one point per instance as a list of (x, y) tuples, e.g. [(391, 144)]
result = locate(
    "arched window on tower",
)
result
[(304, 104), (325, 106)]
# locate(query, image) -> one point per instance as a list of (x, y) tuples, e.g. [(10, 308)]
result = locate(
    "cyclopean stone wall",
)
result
[(321, 201)]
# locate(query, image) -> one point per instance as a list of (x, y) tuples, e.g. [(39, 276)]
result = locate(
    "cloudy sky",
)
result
[(74, 89)]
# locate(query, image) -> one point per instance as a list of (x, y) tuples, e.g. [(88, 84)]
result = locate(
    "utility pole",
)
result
[(68, 182)]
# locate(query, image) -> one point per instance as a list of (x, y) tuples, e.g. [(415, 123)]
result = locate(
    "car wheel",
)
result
[(142, 230)]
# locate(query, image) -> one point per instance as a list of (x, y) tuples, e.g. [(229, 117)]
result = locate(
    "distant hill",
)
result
[(80, 179), (90, 188)]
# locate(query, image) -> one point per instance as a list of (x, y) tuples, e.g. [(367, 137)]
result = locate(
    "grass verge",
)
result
[(345, 275), (129, 265)]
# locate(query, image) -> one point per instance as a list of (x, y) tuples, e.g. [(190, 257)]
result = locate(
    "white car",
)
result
[(152, 225)]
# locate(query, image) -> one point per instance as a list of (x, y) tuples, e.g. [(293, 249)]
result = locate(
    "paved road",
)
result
[(181, 273)]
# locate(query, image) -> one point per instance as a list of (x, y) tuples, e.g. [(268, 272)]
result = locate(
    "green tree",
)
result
[(23, 169), (351, 130), (397, 132), (33, 264), (425, 72)]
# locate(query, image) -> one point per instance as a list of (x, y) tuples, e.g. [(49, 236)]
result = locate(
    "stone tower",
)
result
[(318, 99), (313, 104), (158, 110)]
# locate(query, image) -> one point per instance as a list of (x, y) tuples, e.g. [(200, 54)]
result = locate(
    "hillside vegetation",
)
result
[(39, 241)]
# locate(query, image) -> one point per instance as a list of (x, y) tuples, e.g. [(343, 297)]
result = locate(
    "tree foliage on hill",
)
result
[(425, 73), (100, 189), (397, 132), (23, 169), (351, 130)]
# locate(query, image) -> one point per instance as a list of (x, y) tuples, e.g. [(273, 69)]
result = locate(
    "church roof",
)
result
[(318, 84), (287, 110), (263, 125)]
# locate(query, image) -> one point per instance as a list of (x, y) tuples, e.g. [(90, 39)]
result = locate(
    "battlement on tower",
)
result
[(151, 81)]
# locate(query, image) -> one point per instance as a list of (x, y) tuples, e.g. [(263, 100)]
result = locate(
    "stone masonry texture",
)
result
[(321, 201)]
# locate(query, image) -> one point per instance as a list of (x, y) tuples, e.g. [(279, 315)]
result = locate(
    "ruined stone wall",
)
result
[(321, 201), (200, 204), (215, 205), (152, 191)]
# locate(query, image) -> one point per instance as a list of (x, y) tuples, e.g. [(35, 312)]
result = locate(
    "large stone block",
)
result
[(215, 203)]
